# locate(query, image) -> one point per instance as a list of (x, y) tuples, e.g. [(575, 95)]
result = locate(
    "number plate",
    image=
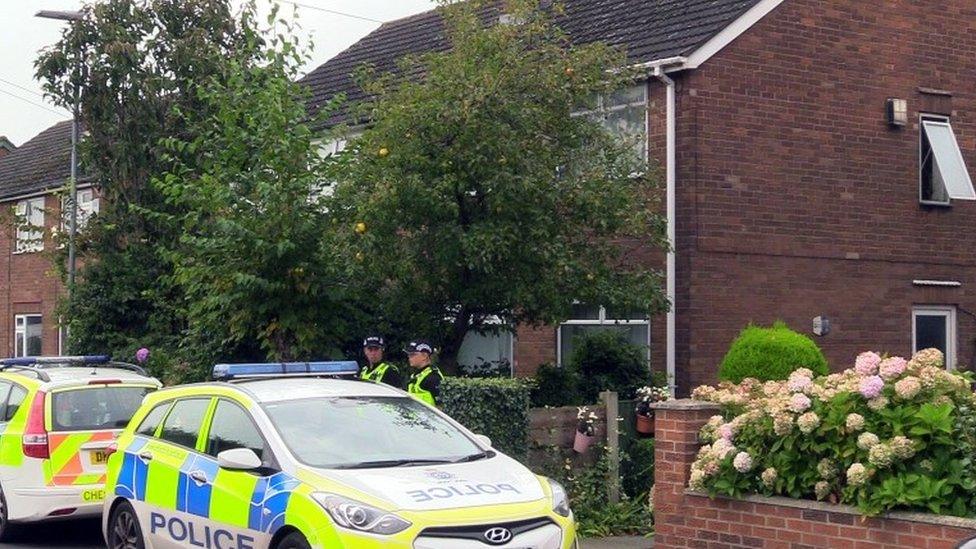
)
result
[(99, 458)]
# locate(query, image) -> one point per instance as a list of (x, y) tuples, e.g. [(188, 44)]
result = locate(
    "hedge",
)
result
[(494, 407)]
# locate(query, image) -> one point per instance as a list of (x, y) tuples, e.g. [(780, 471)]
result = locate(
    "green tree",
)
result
[(255, 260), (484, 196), (144, 66)]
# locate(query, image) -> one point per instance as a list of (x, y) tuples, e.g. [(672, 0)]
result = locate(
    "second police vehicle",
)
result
[(287, 456), (58, 416)]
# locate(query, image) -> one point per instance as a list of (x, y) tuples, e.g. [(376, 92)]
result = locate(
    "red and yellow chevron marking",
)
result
[(65, 467)]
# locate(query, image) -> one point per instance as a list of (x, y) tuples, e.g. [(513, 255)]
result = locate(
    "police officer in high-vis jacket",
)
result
[(425, 381), (376, 369)]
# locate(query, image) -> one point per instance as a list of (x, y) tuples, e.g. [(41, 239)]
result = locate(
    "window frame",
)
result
[(268, 459), (923, 138), (86, 208), (600, 109), (205, 422), (948, 312), (494, 320), (6, 405), (25, 241), (601, 320), (21, 334)]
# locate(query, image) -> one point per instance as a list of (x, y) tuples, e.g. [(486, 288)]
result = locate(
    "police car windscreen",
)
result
[(352, 432), (95, 408)]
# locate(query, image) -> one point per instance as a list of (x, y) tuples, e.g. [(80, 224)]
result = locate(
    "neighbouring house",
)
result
[(32, 177), (6, 146), (816, 154)]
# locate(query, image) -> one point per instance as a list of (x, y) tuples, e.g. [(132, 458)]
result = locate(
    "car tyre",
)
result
[(294, 540), (4, 517), (123, 528)]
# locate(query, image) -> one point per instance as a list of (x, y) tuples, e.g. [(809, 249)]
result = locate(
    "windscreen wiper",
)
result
[(475, 457), (379, 464)]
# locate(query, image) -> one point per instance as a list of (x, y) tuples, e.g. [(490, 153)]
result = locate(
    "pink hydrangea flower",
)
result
[(871, 387), (726, 431), (867, 363), (800, 403), (142, 354), (891, 368)]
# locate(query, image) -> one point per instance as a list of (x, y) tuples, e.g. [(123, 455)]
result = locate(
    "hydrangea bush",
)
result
[(885, 434)]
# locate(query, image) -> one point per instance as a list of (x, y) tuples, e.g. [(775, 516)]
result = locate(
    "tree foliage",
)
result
[(484, 196), (254, 259)]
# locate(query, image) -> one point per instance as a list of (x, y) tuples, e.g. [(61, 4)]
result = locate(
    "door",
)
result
[(245, 504), (84, 422), (170, 495)]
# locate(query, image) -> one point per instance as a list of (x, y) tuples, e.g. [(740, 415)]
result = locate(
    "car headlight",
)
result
[(560, 501), (353, 515)]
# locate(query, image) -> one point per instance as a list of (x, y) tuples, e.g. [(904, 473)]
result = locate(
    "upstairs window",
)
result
[(943, 173), (88, 205), (30, 225), (624, 114)]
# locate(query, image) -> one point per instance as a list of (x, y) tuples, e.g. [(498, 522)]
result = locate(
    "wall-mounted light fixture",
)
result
[(896, 112)]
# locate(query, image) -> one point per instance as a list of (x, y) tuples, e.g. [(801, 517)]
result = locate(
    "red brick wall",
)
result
[(28, 284), (686, 519), (795, 199)]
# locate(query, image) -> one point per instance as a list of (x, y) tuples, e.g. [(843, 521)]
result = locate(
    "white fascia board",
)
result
[(745, 21)]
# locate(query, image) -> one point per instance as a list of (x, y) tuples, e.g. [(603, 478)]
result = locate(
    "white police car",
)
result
[(277, 456)]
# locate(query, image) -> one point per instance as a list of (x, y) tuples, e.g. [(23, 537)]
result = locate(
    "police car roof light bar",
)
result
[(228, 372), (46, 360)]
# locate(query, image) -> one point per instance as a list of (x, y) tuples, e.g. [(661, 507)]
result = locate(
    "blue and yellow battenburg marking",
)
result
[(265, 510)]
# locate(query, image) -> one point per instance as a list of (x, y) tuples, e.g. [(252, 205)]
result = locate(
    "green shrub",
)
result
[(637, 467), (770, 354), (555, 386), (606, 361), (494, 407)]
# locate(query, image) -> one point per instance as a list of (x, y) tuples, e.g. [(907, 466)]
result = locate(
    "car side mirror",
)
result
[(485, 441), (239, 459)]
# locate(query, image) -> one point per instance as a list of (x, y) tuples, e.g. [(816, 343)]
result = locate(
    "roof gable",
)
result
[(647, 30)]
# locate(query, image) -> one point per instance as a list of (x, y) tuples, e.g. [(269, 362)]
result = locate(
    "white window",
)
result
[(935, 327), (327, 149), (590, 318), (624, 114), (490, 351), (88, 205), (942, 170), (27, 335), (30, 225)]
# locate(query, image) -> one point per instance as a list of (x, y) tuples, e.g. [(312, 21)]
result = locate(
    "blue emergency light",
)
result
[(44, 360), (226, 372)]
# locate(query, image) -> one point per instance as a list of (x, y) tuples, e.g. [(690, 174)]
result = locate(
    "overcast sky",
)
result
[(22, 35)]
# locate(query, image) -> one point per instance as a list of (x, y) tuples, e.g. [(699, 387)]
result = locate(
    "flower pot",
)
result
[(645, 424), (582, 442)]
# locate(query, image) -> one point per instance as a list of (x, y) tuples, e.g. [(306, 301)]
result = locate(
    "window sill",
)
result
[(24, 252), (933, 205)]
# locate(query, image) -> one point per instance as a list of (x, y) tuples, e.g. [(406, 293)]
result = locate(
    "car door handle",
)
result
[(146, 456), (199, 477)]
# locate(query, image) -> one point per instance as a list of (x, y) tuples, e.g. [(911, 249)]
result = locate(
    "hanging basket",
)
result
[(582, 442), (645, 424)]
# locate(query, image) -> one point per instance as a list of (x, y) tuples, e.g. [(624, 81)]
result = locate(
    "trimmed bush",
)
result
[(496, 408), (555, 386), (770, 354), (606, 361)]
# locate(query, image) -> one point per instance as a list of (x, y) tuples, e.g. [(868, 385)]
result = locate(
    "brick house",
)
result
[(31, 177), (816, 155)]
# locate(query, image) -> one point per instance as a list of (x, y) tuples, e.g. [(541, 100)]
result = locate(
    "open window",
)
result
[(943, 173)]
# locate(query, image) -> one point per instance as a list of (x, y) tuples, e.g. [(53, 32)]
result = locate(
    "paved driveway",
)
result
[(69, 534)]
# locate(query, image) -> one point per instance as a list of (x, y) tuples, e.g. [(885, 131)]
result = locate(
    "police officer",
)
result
[(376, 370), (425, 381)]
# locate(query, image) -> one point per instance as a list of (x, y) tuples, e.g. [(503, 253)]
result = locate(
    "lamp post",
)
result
[(71, 16)]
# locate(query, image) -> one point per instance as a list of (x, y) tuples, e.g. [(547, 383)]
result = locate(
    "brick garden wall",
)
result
[(686, 519)]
